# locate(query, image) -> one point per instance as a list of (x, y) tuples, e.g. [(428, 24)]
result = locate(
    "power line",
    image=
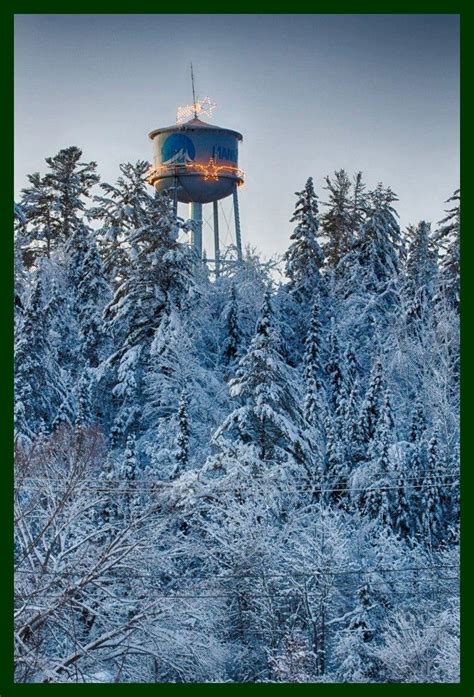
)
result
[(217, 491), (258, 477), (242, 593), (263, 576)]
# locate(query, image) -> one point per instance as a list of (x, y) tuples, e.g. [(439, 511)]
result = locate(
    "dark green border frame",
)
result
[(7, 12)]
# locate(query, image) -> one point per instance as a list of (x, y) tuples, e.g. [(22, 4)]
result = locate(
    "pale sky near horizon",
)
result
[(310, 94)]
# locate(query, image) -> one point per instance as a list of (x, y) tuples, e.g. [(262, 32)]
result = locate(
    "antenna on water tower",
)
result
[(198, 161), (194, 93)]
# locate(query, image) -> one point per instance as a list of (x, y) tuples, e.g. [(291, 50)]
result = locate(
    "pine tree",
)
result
[(126, 396), (63, 416), (40, 227), (333, 368), (182, 438), (124, 209), (336, 469), (448, 239), (158, 277), (61, 326), (402, 520), (370, 410), (359, 202), (421, 266), (83, 401), (233, 338), (158, 280), (21, 274), (129, 469), (312, 368), (128, 477), (337, 461), (39, 391), (353, 650), (304, 257), (351, 392), (379, 245), (433, 517), (341, 223), (70, 181), (93, 293), (269, 416), (421, 276), (378, 497), (417, 439)]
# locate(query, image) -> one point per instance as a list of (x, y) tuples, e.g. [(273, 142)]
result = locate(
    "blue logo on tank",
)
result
[(177, 149)]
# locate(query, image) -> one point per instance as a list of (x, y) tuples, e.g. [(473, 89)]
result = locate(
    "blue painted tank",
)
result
[(199, 159)]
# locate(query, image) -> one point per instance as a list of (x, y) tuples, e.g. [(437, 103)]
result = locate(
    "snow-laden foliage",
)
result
[(229, 479)]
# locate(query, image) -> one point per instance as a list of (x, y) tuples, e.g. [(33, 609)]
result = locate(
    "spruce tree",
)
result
[(158, 278), (378, 495), (356, 662), (93, 293), (340, 224), (421, 265), (312, 369), (40, 227), (123, 209), (448, 238), (269, 415), (433, 517), (182, 437), (70, 181), (39, 390), (379, 245), (305, 257), (370, 410), (232, 336)]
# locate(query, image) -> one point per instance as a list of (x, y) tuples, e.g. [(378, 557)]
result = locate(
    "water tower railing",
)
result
[(210, 172)]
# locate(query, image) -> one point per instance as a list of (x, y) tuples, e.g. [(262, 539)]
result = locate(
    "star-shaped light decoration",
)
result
[(202, 108)]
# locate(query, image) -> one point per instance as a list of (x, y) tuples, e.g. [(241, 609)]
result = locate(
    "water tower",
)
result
[(197, 163)]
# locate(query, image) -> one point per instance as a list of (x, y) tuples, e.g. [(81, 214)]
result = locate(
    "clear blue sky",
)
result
[(310, 93)]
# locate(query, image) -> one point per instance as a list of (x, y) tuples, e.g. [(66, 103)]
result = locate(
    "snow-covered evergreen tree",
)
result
[(312, 373), (269, 415), (357, 663), (304, 257), (182, 439), (378, 495), (39, 391), (232, 337), (421, 265), (37, 204), (380, 243), (341, 222), (123, 209), (93, 293), (70, 181), (448, 238), (370, 410)]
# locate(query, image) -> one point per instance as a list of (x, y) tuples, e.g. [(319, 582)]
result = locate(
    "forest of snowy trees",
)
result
[(252, 478)]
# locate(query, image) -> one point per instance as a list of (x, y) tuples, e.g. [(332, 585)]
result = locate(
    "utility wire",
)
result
[(225, 577), (314, 489), (243, 593)]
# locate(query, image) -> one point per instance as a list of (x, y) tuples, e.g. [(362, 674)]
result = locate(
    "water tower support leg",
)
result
[(238, 238), (196, 235), (175, 197), (217, 251)]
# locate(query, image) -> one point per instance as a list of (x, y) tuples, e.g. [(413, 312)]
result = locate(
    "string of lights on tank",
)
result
[(210, 171)]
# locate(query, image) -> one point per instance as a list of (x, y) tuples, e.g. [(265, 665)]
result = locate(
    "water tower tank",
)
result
[(199, 159)]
